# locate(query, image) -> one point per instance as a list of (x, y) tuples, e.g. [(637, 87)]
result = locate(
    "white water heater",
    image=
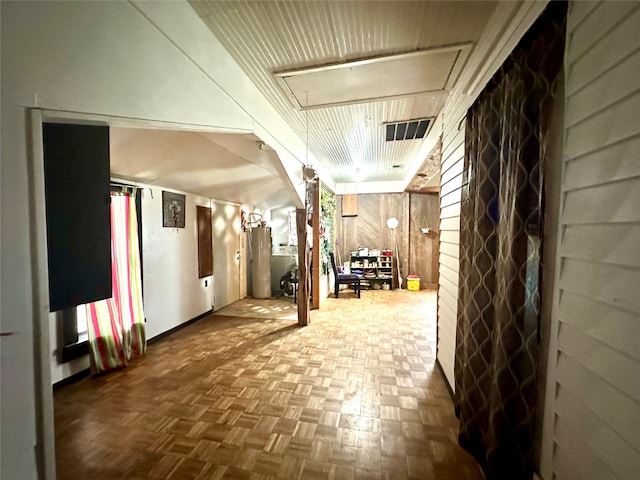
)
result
[(261, 262)]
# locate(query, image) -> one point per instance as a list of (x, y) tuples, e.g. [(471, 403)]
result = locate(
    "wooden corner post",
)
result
[(303, 267)]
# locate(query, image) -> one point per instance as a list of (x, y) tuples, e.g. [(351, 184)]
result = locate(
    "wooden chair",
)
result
[(344, 278)]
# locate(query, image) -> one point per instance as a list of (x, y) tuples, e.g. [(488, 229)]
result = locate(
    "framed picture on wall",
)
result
[(173, 210)]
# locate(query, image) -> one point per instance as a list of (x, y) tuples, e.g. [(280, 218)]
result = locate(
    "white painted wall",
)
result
[(326, 286), (149, 61), (279, 233), (280, 225), (592, 413), (226, 248), (173, 293), (449, 259), (60, 371), (191, 35), (106, 57)]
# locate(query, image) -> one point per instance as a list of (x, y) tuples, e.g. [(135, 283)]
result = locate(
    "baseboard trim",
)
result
[(446, 382), (76, 377), (162, 335)]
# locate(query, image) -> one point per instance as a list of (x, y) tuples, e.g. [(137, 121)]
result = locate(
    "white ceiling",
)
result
[(268, 38), (222, 166), (337, 72)]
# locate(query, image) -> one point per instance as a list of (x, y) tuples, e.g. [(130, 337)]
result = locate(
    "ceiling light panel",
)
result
[(374, 79)]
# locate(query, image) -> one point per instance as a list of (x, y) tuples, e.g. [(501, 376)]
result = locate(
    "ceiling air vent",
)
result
[(408, 130)]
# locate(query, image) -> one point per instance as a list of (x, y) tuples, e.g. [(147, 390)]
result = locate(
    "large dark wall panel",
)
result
[(76, 167), (424, 212)]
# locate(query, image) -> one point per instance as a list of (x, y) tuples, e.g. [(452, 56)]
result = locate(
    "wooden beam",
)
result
[(303, 270), (315, 260)]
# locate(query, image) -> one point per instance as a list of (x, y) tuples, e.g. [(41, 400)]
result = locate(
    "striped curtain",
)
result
[(116, 325)]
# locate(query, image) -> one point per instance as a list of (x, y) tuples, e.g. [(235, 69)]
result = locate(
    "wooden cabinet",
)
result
[(376, 270)]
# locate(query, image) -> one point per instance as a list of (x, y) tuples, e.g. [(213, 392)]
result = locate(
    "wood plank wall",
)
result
[(595, 412), (423, 248), (418, 252), (369, 227)]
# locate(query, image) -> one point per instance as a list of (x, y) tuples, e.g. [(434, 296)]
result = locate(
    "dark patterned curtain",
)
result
[(500, 252)]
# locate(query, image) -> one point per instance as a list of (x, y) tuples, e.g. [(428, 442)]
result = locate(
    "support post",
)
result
[(303, 267)]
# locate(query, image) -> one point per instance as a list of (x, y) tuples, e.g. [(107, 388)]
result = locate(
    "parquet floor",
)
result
[(355, 395)]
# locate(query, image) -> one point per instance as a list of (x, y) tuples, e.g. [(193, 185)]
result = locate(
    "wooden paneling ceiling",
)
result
[(348, 137)]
